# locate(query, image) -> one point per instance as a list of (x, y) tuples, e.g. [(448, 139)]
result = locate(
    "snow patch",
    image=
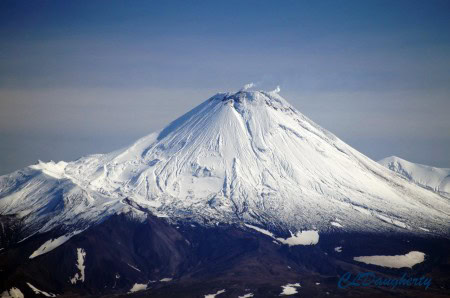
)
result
[(37, 291), (336, 224), (13, 293), (424, 229), (214, 295), (301, 238), (399, 261), (338, 249), (249, 295), (167, 279), (51, 244), (160, 215), (81, 254), (392, 221), (362, 210), (290, 289), (138, 287)]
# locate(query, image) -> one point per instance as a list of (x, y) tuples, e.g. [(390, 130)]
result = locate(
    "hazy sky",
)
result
[(82, 77)]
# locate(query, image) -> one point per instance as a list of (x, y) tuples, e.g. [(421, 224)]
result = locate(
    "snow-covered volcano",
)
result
[(245, 157)]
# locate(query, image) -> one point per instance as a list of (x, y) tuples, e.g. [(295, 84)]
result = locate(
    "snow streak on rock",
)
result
[(214, 295), (51, 244), (79, 276), (135, 268), (39, 292)]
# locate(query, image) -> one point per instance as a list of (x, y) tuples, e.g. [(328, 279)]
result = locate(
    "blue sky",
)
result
[(81, 77)]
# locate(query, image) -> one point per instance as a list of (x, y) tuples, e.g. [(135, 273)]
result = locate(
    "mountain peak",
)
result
[(247, 156)]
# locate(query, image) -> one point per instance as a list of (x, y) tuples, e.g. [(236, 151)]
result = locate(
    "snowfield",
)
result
[(246, 157), (37, 291)]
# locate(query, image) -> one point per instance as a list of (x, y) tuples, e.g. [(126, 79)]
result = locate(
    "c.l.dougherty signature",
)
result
[(370, 279)]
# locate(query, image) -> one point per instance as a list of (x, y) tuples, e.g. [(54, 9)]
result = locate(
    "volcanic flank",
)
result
[(248, 162), (242, 157)]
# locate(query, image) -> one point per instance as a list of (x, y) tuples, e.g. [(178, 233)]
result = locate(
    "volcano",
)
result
[(195, 209)]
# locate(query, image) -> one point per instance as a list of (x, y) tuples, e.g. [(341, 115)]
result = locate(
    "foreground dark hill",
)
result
[(187, 260)]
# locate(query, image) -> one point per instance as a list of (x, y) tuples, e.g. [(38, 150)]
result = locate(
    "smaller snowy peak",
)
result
[(432, 178)]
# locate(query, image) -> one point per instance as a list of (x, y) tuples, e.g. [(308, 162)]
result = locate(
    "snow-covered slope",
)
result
[(436, 179), (237, 157)]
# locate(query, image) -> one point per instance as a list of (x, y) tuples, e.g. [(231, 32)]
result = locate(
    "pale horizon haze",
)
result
[(85, 77)]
